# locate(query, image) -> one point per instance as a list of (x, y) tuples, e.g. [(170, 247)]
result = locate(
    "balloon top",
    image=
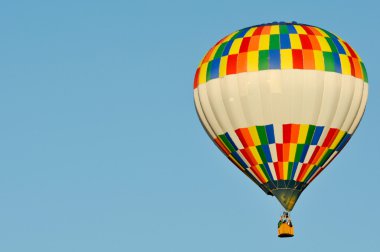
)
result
[(279, 45)]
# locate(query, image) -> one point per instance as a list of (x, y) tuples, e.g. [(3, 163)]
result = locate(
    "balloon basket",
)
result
[(285, 231)]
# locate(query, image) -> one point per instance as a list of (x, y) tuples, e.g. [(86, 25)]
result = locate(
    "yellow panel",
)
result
[(252, 61), (230, 36), (346, 67), (286, 59), (275, 29), (250, 32), (285, 166), (337, 139), (254, 135), (325, 47), (236, 162), (256, 155), (264, 42), (319, 61), (321, 157), (235, 47), (261, 172), (307, 172), (203, 73), (295, 41), (303, 133), (322, 32), (223, 66), (292, 152), (346, 49), (299, 29)]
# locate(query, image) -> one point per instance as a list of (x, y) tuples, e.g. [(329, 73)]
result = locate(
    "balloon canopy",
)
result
[(281, 100)]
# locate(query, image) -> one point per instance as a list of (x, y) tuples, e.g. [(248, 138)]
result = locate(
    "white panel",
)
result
[(232, 101), (208, 112), (360, 111), (280, 97), (201, 115), (250, 98), (355, 103), (345, 101), (331, 93), (216, 101), (273, 152), (272, 170)]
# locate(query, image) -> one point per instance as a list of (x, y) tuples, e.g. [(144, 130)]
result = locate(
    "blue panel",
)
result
[(338, 67), (227, 48), (268, 170), (343, 142), (291, 29), (294, 168), (317, 135), (270, 133), (267, 153), (239, 159), (241, 33), (304, 152), (284, 41), (274, 59), (214, 73), (231, 142), (338, 46)]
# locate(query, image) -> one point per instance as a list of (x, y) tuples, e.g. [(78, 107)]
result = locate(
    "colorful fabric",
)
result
[(299, 156), (279, 46)]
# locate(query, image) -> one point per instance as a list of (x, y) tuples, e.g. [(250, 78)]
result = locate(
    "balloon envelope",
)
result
[(281, 100)]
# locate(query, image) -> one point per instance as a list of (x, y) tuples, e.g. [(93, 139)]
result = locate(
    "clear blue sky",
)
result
[(101, 148)]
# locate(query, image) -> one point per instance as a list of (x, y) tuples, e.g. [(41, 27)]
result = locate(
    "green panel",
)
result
[(263, 60), (310, 134), (220, 50), (226, 142), (261, 153), (325, 157), (332, 45), (208, 73), (284, 29), (329, 61), (299, 152), (364, 72), (264, 171), (311, 173), (290, 168), (262, 135), (274, 42)]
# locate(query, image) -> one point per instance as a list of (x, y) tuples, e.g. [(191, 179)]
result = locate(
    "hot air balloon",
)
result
[(281, 100)]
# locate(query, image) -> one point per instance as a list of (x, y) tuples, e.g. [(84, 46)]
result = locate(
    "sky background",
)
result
[(101, 148)]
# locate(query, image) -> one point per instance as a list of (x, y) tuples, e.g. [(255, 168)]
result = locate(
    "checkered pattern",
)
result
[(279, 46), (300, 156)]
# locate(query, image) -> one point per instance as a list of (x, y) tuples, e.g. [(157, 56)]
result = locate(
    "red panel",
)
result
[(257, 173), (280, 156), (196, 78), (352, 66), (277, 170), (330, 137), (231, 64), (244, 45), (302, 172), (352, 52), (306, 44), (248, 155), (286, 129), (258, 31), (297, 59)]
